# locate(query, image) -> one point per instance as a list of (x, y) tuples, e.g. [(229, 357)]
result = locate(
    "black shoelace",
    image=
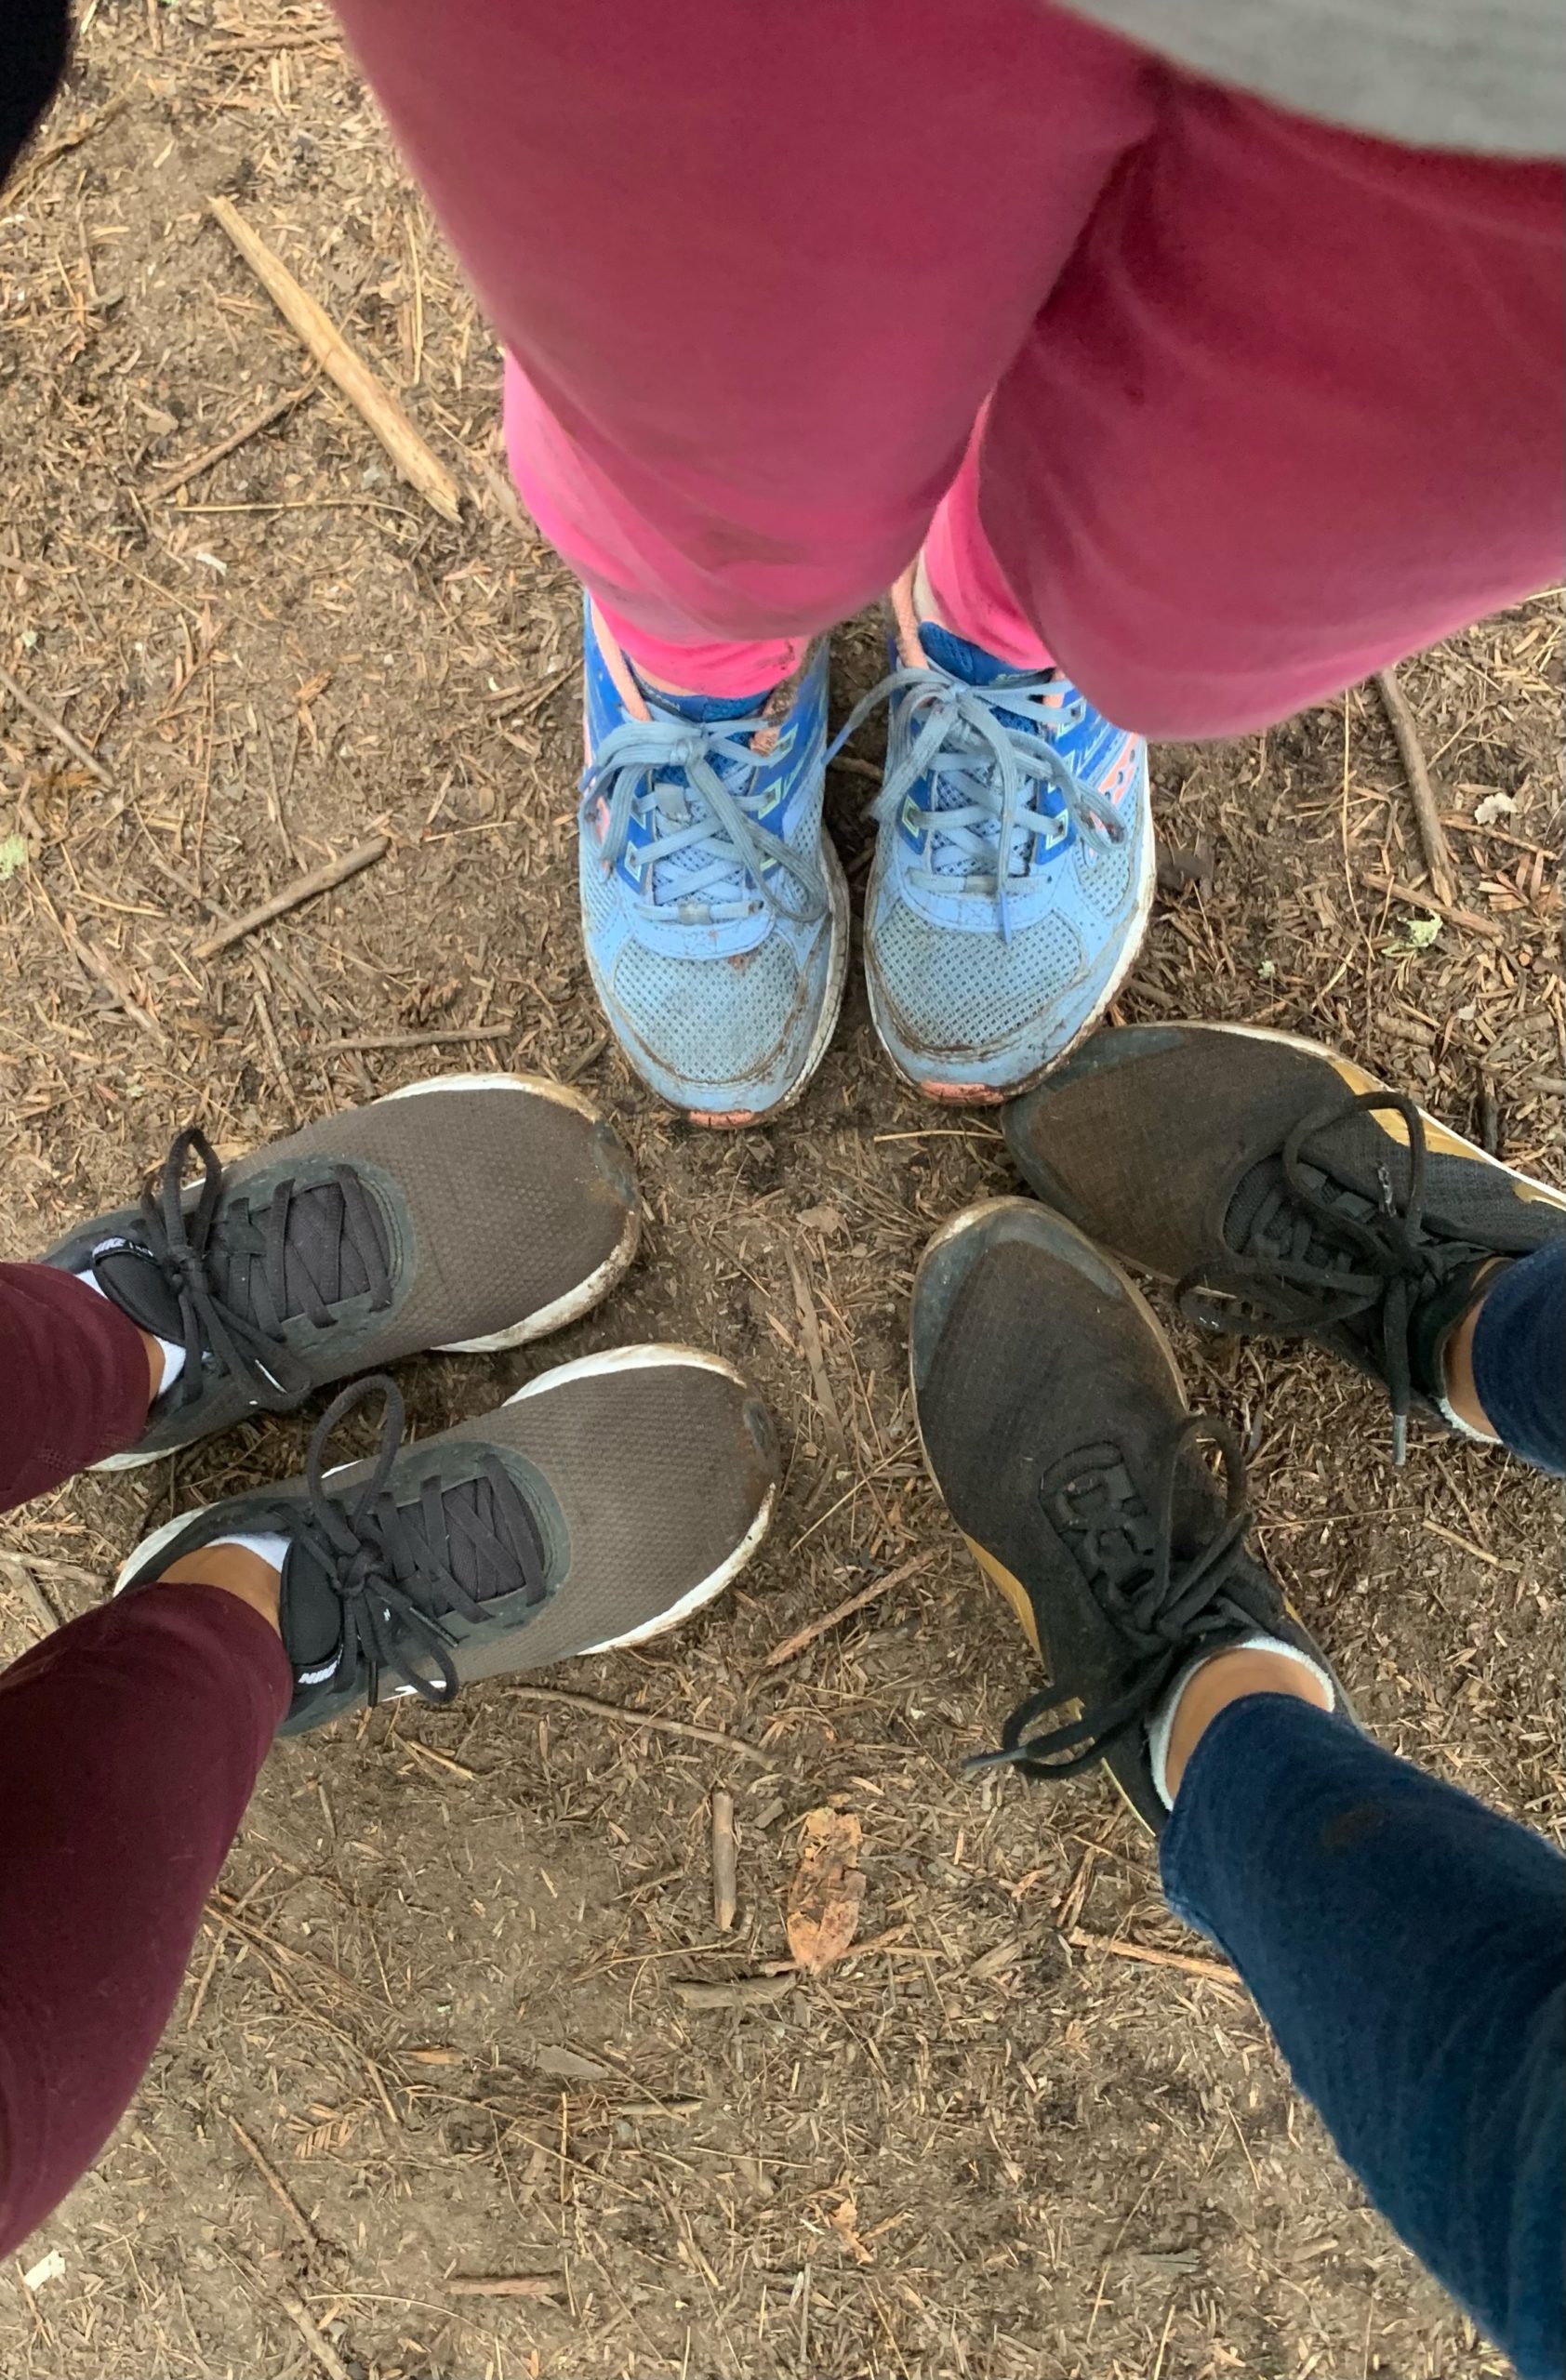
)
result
[(238, 1279), (1319, 1256), (1161, 1607), (400, 1563)]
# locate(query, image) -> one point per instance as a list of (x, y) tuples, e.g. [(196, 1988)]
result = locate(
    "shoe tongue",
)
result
[(324, 1255), (705, 707), (132, 1277), (970, 662), (1435, 1320), (1265, 1217), (309, 1613), (491, 1542), (702, 710)]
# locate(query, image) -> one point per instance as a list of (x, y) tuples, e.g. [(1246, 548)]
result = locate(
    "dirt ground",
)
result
[(433, 2029)]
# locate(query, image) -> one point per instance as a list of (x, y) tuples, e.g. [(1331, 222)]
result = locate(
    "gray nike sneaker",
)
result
[(463, 1214), (602, 1504)]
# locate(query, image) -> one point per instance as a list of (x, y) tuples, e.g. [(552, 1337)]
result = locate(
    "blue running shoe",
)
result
[(714, 907), (1013, 871)]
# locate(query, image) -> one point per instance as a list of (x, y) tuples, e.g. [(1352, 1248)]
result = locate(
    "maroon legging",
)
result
[(129, 1743)]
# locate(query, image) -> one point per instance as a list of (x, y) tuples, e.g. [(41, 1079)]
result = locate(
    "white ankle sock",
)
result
[(173, 1357), (268, 1548), (1162, 1724)]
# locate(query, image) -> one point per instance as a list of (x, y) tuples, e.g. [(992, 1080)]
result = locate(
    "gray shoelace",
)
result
[(991, 774), (706, 859)]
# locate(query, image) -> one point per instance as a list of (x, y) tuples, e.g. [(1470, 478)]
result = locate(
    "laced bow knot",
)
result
[(1159, 1605), (1317, 1256), (992, 749), (204, 1258), (385, 1572), (706, 843)]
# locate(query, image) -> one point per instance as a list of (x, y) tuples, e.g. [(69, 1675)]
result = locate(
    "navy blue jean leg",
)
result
[(1520, 1356), (1408, 1947)]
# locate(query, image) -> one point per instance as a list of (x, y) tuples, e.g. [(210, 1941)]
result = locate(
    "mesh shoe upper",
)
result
[(713, 907), (1013, 869), (478, 1208), (601, 1504)]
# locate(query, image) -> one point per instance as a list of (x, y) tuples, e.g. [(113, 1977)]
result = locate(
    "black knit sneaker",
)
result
[(600, 1505), (466, 1213), (1054, 1423), (1286, 1191)]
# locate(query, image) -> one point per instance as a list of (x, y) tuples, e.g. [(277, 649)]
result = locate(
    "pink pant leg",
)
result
[(1292, 409), (758, 268), (972, 593)]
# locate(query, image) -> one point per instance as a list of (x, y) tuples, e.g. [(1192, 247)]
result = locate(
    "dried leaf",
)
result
[(844, 2220), (564, 2065), (825, 1898)]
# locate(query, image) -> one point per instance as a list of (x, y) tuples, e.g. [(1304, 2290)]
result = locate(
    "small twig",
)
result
[(1210, 1970), (628, 1718), (210, 454), (302, 889), (275, 1052), (523, 701), (411, 1041), (92, 962), (1486, 927), (436, 1759), (47, 1567), (1500, 835), (726, 1861), (55, 727), (1488, 1118), (810, 1330), (298, 2314), (744, 1992), (29, 182), (1427, 810), (802, 1637), (32, 1595), (512, 2284), (375, 405), (275, 2184), (584, 1058)]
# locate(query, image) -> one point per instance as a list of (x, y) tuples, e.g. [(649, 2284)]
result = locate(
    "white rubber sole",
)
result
[(983, 1095), (560, 1312), (613, 1359)]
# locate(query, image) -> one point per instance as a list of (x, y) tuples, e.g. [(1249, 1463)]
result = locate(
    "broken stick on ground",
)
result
[(375, 405), (304, 888)]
